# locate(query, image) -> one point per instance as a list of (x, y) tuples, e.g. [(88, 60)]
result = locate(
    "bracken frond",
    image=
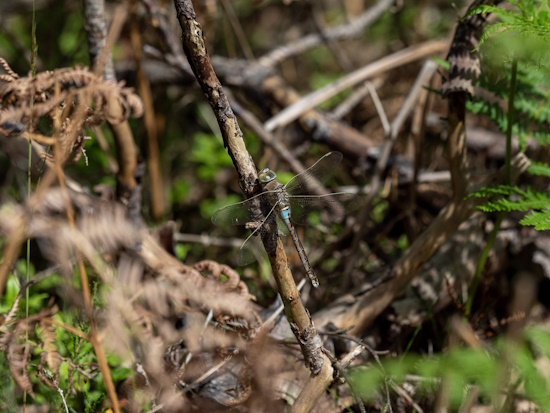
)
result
[(539, 168), (70, 98), (50, 354), (18, 355), (539, 220)]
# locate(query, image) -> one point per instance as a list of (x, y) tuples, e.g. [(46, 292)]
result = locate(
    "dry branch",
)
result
[(345, 31), (96, 29), (100, 43), (195, 50), (156, 186), (193, 45), (381, 66), (264, 83), (367, 305)]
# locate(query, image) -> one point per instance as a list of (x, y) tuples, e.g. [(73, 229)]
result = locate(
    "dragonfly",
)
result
[(279, 206)]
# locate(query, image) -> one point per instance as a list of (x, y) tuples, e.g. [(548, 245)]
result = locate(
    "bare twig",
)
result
[(96, 27), (207, 240), (339, 55), (355, 98), (9, 253), (397, 59), (195, 49), (128, 191), (406, 396), (379, 108), (238, 29), (422, 79), (193, 45), (256, 77), (367, 306), (144, 88), (254, 123), (344, 31), (100, 45)]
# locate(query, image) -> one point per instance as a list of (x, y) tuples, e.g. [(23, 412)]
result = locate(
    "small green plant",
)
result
[(521, 40), (463, 369), (505, 198)]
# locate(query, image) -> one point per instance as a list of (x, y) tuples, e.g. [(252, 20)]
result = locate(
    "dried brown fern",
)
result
[(71, 98), (149, 294), (18, 352), (50, 355)]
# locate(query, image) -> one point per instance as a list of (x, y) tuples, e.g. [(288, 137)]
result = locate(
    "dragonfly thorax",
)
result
[(277, 195)]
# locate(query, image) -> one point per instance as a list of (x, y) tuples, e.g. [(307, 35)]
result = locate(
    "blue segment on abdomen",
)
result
[(285, 213)]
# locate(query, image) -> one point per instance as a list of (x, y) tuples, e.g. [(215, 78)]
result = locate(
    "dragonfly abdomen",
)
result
[(300, 249)]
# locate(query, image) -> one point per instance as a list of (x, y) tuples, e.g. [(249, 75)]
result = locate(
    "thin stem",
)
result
[(34, 52), (507, 180), (511, 117), (481, 263)]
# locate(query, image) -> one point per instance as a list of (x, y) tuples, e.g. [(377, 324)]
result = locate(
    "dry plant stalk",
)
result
[(299, 318)]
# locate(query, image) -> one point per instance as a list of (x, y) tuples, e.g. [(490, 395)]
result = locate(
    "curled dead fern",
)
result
[(70, 98), (18, 352), (50, 355)]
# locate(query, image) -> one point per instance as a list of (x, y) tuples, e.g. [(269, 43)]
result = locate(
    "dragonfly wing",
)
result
[(251, 250), (339, 202), (236, 214), (315, 176)]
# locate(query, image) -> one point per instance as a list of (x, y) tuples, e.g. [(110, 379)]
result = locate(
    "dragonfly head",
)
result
[(266, 175)]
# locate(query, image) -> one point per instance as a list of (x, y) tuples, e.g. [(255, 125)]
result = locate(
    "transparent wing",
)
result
[(339, 202), (315, 176), (237, 214), (252, 248)]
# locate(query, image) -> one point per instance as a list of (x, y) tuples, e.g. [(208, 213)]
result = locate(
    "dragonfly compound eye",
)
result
[(267, 175)]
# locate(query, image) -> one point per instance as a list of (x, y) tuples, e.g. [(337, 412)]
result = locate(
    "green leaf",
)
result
[(209, 154), (539, 220), (539, 169), (179, 192), (540, 339), (182, 250)]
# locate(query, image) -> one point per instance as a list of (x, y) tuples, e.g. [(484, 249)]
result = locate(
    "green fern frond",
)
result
[(539, 169), (498, 190), (531, 101), (521, 36), (508, 205), (542, 137), (512, 198), (539, 220), (531, 19)]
